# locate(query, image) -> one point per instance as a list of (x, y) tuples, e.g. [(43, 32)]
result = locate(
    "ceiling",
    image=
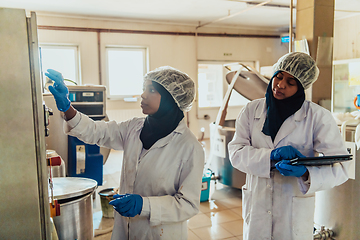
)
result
[(269, 14)]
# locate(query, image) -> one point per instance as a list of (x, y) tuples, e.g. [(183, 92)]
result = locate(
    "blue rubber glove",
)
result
[(285, 153), (286, 169), (128, 205), (59, 90)]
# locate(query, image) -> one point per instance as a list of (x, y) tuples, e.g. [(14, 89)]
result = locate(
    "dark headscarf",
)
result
[(164, 121), (279, 110)]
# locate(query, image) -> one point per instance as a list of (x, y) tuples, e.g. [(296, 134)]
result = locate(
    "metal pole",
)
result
[(291, 27)]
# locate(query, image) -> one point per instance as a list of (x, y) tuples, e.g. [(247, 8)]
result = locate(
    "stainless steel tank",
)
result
[(76, 203), (251, 85), (338, 209), (220, 136)]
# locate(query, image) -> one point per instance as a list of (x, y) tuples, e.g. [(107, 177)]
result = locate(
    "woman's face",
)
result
[(150, 99), (284, 85)]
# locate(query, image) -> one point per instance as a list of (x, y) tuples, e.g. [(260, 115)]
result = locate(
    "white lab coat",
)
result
[(168, 176), (275, 206)]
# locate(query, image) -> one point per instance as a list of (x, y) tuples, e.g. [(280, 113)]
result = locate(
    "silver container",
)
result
[(338, 208), (76, 203), (219, 138)]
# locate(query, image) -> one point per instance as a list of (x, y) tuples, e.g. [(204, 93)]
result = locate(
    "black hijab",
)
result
[(279, 110), (164, 121)]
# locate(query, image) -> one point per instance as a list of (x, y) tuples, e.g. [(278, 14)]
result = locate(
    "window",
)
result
[(212, 86), (126, 67), (64, 59)]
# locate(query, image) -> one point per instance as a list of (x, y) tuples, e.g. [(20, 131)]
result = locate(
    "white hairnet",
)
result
[(300, 65), (177, 83)]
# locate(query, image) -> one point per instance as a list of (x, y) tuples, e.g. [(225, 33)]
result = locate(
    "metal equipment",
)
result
[(75, 198), (83, 161), (249, 83), (24, 207), (338, 208)]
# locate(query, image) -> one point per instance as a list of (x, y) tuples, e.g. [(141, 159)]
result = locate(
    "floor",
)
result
[(219, 217)]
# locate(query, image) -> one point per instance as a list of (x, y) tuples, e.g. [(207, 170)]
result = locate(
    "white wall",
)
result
[(178, 51), (347, 38)]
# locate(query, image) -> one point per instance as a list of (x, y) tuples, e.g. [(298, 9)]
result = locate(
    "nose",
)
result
[(281, 84), (143, 95)]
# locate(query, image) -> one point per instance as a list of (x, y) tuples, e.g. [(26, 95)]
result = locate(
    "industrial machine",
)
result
[(249, 83), (24, 209), (337, 209), (33, 203), (81, 159)]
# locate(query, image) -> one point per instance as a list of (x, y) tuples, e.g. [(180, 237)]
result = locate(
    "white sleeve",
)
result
[(145, 211), (105, 134), (74, 121), (327, 140), (243, 156)]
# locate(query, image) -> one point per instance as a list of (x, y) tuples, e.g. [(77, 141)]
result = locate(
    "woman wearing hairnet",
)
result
[(278, 202), (163, 162)]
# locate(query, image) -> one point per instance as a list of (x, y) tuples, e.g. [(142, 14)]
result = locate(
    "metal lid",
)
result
[(249, 84), (68, 187)]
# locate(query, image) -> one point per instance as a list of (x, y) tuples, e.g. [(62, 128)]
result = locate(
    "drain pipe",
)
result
[(324, 234)]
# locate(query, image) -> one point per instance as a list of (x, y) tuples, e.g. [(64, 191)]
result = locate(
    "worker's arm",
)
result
[(70, 113)]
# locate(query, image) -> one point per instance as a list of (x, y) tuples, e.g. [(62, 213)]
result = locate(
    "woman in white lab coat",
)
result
[(163, 162), (278, 198)]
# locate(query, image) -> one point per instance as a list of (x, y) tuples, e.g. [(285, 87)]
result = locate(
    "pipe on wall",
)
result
[(291, 27), (110, 30)]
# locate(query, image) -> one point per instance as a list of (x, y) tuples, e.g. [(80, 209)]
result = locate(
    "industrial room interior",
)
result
[(190, 36)]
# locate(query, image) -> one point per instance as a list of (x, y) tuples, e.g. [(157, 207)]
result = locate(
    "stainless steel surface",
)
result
[(68, 187), (57, 139), (248, 84), (58, 171), (221, 165), (338, 209), (251, 85), (76, 204), (22, 143)]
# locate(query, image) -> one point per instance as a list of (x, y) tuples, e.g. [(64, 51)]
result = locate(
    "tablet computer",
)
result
[(323, 160)]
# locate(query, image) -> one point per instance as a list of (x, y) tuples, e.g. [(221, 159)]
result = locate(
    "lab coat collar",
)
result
[(299, 115), (165, 140), (260, 115), (290, 123)]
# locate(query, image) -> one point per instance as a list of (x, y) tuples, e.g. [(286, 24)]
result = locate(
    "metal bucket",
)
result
[(220, 136), (106, 195), (76, 203)]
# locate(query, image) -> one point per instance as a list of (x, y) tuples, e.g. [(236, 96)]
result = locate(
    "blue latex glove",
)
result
[(286, 169), (285, 153), (128, 205), (59, 90)]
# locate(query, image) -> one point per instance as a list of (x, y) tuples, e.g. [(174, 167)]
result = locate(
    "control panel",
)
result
[(89, 99)]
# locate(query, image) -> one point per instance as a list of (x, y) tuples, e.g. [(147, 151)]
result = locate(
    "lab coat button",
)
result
[(268, 186), (269, 212)]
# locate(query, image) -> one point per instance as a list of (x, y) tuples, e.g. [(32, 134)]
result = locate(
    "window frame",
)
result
[(145, 51), (78, 79)]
